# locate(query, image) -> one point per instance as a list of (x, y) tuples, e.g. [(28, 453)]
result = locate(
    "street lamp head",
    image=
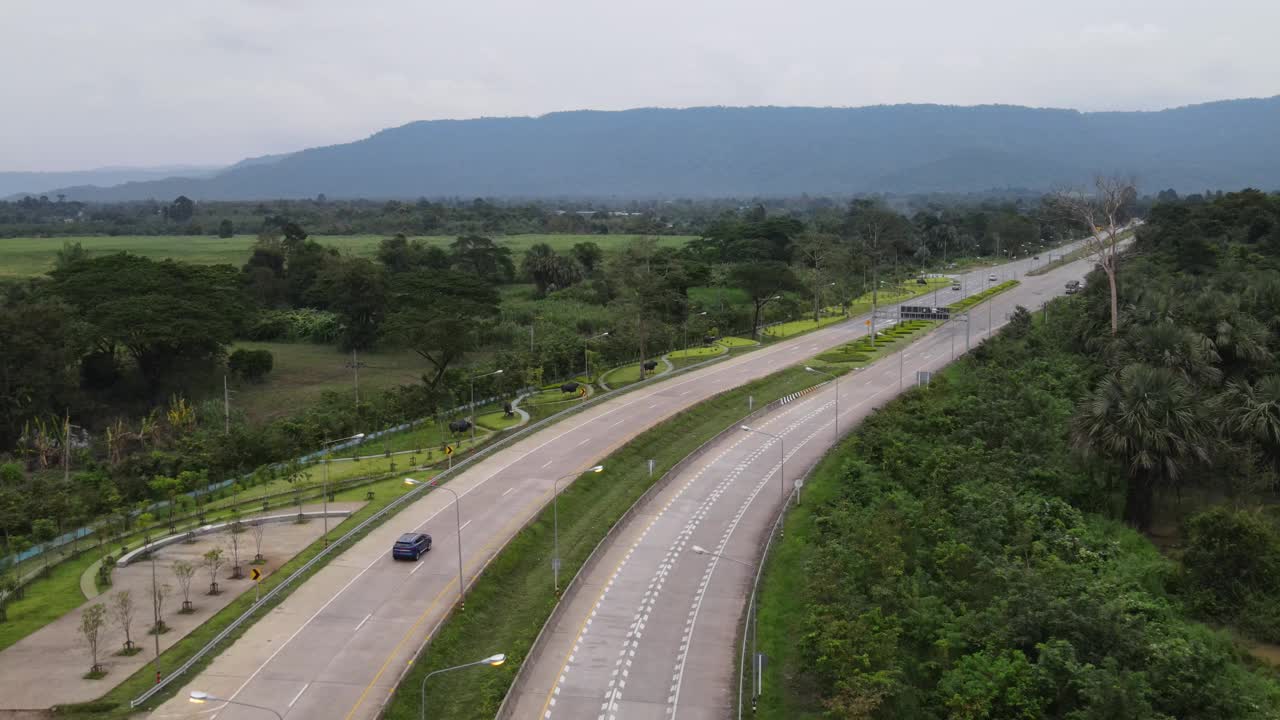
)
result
[(357, 436), (700, 550), (806, 367), (746, 429), (411, 481), (496, 660), (596, 469), (497, 372), (198, 696)]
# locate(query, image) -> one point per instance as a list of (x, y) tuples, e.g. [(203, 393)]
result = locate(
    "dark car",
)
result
[(1073, 287), (921, 281), (410, 546)]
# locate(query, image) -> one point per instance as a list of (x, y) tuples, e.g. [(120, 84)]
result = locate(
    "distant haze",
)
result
[(149, 83)]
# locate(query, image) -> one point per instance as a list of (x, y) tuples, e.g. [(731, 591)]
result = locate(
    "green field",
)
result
[(26, 257), (303, 371), (699, 352), (628, 374)]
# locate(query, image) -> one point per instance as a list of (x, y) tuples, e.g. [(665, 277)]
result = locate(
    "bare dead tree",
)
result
[(91, 622), (159, 593), (259, 530), (237, 528), (122, 611), (1105, 215), (184, 572)]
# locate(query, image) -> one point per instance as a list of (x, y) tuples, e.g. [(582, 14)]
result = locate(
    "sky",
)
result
[(176, 82)]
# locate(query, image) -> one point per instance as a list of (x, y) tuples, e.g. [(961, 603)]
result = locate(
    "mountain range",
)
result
[(751, 151)]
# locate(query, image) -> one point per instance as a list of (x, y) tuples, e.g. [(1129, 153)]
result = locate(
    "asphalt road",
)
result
[(338, 646), (650, 631)]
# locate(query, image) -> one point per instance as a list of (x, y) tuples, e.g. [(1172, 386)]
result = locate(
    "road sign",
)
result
[(555, 564), (256, 574), (448, 449), (920, 312), (923, 377)]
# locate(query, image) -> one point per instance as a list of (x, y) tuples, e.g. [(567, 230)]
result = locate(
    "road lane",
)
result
[(307, 647), (650, 631)]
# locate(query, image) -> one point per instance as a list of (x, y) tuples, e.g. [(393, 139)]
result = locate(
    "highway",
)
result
[(650, 630), (337, 647)]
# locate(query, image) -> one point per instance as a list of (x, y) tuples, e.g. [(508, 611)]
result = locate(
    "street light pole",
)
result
[(782, 467), (457, 516), (836, 386), (493, 660), (199, 698), (586, 367), (755, 617), (473, 402), (686, 331), (328, 454), (555, 523)]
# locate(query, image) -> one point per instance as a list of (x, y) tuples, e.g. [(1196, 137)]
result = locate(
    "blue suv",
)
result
[(410, 546)]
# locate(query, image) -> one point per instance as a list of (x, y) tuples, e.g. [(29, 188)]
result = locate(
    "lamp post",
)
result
[(328, 452), (782, 467), (586, 368), (473, 401), (686, 331), (200, 697), (836, 386), (555, 533), (492, 660), (457, 517), (755, 614)]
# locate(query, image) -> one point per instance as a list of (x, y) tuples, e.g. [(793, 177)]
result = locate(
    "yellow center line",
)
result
[(422, 618)]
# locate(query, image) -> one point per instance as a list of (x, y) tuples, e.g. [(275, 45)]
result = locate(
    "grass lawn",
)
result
[(25, 257), (554, 397), (513, 597), (698, 352), (497, 420), (628, 374), (736, 342), (304, 371), (795, 327), (46, 599)]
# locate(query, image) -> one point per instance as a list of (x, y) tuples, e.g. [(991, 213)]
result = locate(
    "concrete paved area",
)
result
[(46, 668), (338, 646), (651, 630)]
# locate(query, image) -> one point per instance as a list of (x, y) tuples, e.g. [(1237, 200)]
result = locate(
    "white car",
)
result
[(991, 277)]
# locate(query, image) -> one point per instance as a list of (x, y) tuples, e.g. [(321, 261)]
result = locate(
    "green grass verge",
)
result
[(46, 599), (698, 352), (862, 352), (512, 599), (498, 420), (737, 342), (972, 300), (629, 374), (795, 327)]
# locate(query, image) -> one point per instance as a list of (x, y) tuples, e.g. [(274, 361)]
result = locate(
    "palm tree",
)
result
[(1149, 420), (1164, 344), (1252, 413)]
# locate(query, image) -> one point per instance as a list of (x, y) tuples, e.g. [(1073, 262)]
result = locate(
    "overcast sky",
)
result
[(89, 83)]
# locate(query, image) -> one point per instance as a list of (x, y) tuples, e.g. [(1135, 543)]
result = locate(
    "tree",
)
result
[(259, 530), (184, 572), (251, 365), (237, 528), (819, 257), (546, 269), (355, 289), (40, 356), (483, 258), (650, 290), (1104, 215), (588, 255), (122, 609), (213, 562), (876, 231), (70, 254), (159, 593), (181, 209), (398, 254), (762, 281), (440, 316), (92, 620), (45, 531), (226, 229), (1150, 421)]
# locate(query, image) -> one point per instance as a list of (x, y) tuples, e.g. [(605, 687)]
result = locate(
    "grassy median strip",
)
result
[(972, 300), (513, 598)]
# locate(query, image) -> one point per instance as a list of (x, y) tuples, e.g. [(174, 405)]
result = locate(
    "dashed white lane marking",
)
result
[(464, 525), (504, 493), (550, 461), (581, 442), (618, 423), (362, 622), (631, 642), (295, 697), (417, 568)]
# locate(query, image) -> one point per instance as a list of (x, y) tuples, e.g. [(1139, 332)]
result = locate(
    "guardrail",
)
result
[(597, 552), (373, 520)]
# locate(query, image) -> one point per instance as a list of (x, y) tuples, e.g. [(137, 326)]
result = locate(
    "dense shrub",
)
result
[(251, 365), (1232, 568), (305, 325)]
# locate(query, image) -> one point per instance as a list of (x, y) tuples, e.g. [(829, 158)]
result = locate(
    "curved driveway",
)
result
[(650, 630), (337, 646)]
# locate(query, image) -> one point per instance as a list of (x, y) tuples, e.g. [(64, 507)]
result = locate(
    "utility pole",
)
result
[(226, 407), (66, 448), (355, 366)]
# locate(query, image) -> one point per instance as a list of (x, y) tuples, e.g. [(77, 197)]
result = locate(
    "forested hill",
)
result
[(726, 151)]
